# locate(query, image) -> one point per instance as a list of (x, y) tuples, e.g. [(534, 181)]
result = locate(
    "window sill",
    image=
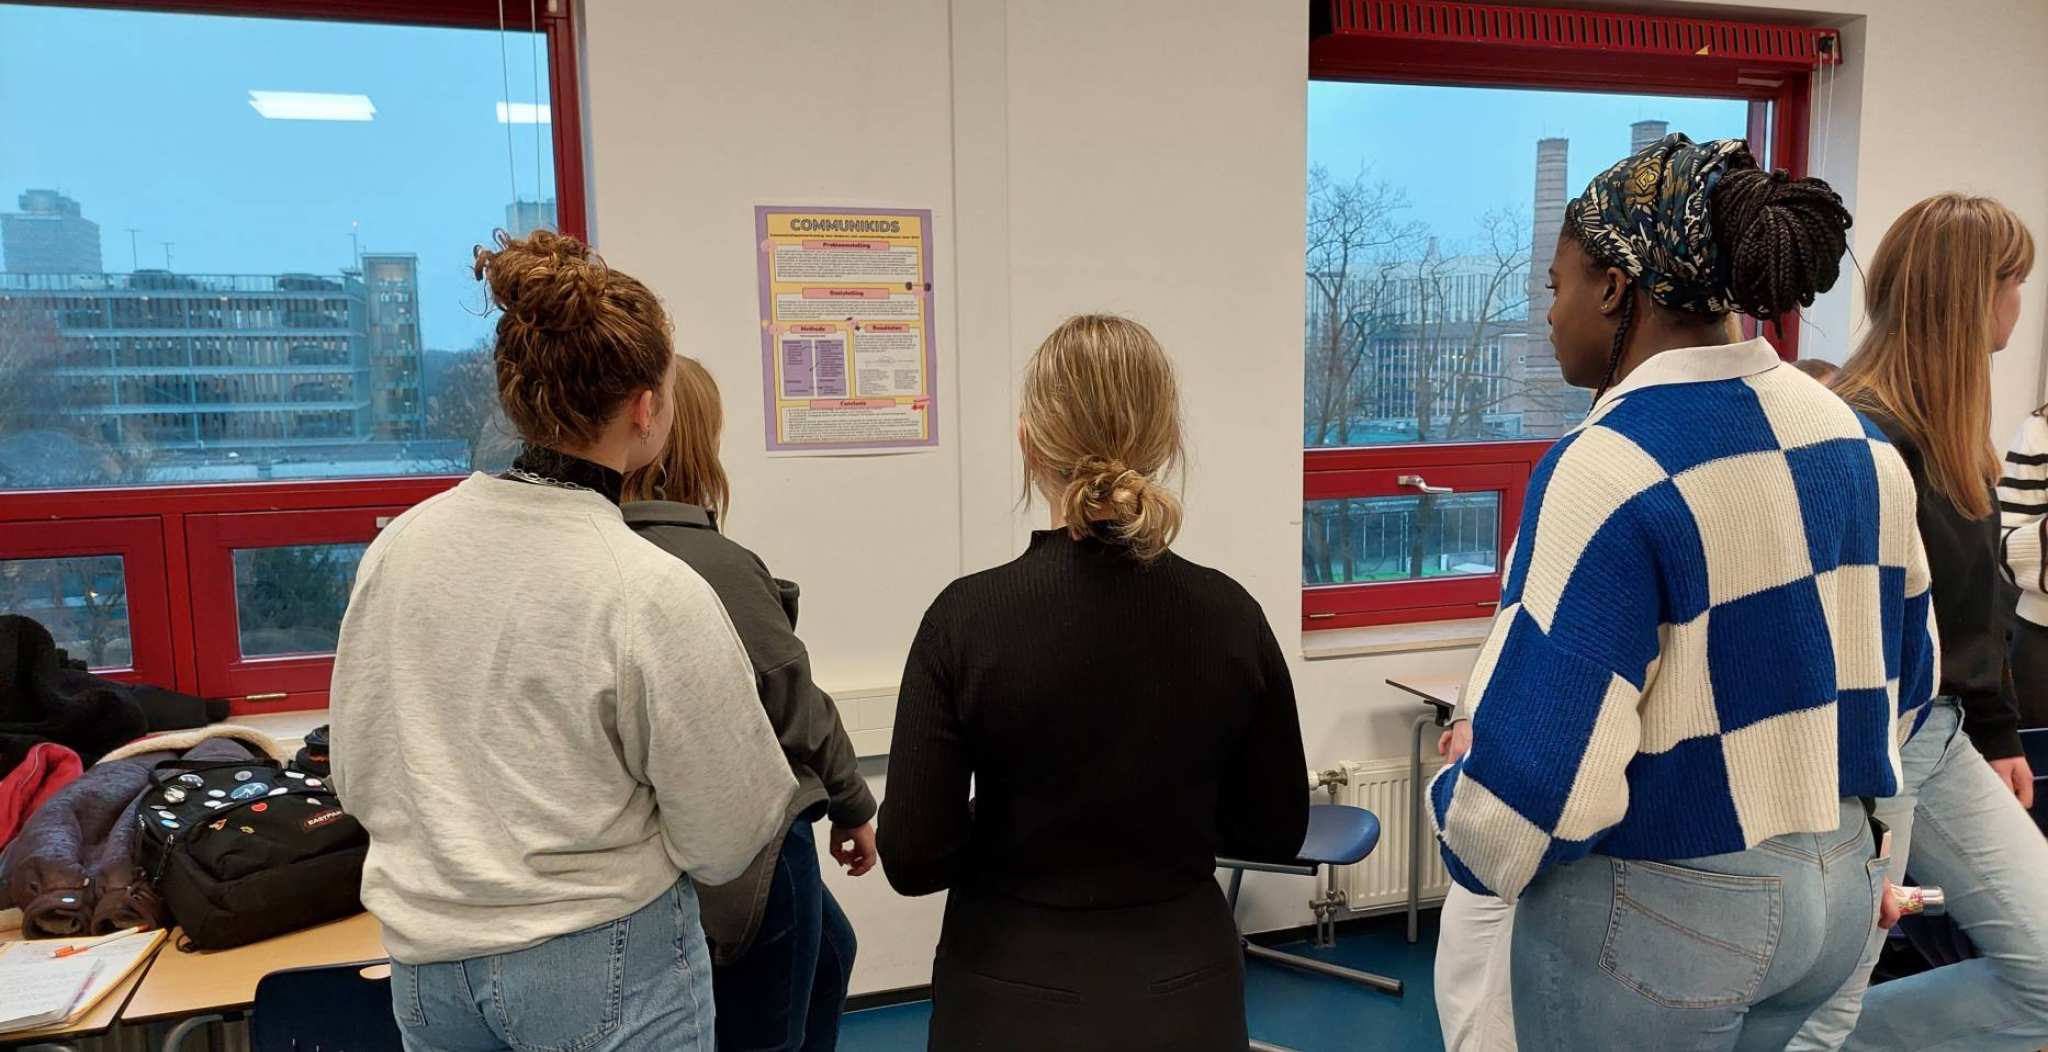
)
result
[(1336, 643)]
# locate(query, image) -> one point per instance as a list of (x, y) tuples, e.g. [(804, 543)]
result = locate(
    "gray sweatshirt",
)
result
[(543, 721)]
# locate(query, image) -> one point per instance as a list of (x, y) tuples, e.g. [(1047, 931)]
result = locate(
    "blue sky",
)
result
[(145, 120), (1462, 152)]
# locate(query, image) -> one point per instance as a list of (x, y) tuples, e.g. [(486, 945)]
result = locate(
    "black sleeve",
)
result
[(806, 719), (2029, 664), (1972, 611), (1264, 811), (927, 819), (1992, 718)]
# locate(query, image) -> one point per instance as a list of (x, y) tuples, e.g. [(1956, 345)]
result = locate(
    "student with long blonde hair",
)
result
[(1943, 294), (781, 948), (1123, 716)]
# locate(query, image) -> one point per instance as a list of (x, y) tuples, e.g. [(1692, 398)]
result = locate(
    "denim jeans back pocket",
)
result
[(564, 995), (405, 995), (1687, 938)]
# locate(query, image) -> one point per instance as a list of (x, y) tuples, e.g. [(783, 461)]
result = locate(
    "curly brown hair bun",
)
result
[(576, 339)]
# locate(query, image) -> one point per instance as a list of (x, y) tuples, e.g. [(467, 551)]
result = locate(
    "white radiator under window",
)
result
[(1381, 881)]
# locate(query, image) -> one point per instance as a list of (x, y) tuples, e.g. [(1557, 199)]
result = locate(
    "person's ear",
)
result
[(643, 413), (1618, 286)]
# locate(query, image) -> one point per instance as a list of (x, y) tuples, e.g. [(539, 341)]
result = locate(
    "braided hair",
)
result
[(1628, 299), (1779, 243), (1781, 239)]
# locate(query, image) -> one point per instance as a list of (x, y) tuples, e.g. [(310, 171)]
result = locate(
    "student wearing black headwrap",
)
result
[(1715, 625)]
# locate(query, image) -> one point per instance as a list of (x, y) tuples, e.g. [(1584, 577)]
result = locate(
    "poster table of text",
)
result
[(847, 360)]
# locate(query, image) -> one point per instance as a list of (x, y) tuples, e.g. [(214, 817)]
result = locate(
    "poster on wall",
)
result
[(847, 357)]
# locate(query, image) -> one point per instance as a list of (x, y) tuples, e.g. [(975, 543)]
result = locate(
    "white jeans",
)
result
[(1474, 953)]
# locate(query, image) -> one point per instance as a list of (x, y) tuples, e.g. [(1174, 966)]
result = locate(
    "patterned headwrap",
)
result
[(1648, 216)]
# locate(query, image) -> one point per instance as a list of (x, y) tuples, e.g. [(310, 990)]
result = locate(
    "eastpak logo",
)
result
[(321, 819)]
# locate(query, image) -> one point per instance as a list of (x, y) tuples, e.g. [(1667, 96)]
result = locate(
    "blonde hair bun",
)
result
[(1100, 426)]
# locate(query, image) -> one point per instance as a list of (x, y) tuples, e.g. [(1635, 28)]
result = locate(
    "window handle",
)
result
[(1417, 482)]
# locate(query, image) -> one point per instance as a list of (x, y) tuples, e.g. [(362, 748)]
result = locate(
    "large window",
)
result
[(237, 310), (240, 248), (1437, 181)]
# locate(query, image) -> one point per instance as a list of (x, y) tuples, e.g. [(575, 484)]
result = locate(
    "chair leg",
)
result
[(175, 1040), (1326, 907), (1335, 971), (1257, 1045)]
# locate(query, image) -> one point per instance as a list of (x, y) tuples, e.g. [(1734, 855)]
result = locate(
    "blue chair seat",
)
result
[(337, 1007), (1339, 835)]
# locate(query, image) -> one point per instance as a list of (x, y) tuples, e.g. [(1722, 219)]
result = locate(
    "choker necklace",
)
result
[(523, 475)]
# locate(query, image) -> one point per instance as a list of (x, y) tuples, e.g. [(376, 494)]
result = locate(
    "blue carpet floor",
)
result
[(1296, 1009)]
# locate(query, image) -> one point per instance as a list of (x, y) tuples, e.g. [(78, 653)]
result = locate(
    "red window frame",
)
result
[(1451, 43), (177, 540), (138, 540), (270, 682)]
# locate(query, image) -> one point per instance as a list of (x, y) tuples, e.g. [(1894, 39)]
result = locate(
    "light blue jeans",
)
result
[(1960, 829), (1727, 953), (641, 983)]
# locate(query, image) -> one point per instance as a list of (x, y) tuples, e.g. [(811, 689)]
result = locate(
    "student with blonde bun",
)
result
[(1119, 714)]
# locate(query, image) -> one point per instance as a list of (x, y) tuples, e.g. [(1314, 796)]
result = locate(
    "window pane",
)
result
[(1433, 213), (1368, 540), (81, 599), (289, 600), (240, 249)]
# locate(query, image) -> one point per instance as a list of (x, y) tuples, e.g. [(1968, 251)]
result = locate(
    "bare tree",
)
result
[(48, 435), (1355, 238), (1461, 371), (29, 346), (465, 408), (1355, 242)]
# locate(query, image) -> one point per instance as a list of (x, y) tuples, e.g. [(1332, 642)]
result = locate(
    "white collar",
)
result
[(1688, 365)]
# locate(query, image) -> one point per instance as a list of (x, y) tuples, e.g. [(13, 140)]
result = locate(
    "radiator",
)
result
[(1381, 880)]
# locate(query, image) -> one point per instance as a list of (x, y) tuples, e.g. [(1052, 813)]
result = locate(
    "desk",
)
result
[(1441, 694), (289, 728), (196, 985), (91, 1024)]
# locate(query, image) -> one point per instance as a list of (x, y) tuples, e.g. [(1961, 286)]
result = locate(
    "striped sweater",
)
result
[(2023, 511), (1715, 624)]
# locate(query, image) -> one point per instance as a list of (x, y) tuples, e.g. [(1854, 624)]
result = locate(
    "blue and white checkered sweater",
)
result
[(1715, 624)]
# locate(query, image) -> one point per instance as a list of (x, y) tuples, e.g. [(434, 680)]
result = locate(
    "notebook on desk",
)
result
[(50, 982)]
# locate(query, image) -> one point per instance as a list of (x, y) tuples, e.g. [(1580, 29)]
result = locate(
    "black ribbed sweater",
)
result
[(1122, 724), (1973, 605)]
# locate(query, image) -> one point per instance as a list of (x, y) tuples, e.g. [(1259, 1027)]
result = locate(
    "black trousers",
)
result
[(1015, 976)]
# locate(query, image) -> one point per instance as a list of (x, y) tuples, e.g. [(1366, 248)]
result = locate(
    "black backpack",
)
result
[(243, 850)]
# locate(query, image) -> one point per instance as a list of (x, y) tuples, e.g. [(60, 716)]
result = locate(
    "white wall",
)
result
[(1146, 157), (1936, 97)]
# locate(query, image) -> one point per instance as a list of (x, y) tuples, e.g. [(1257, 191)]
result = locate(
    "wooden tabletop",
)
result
[(289, 728), (1441, 689), (188, 984), (98, 1021)]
